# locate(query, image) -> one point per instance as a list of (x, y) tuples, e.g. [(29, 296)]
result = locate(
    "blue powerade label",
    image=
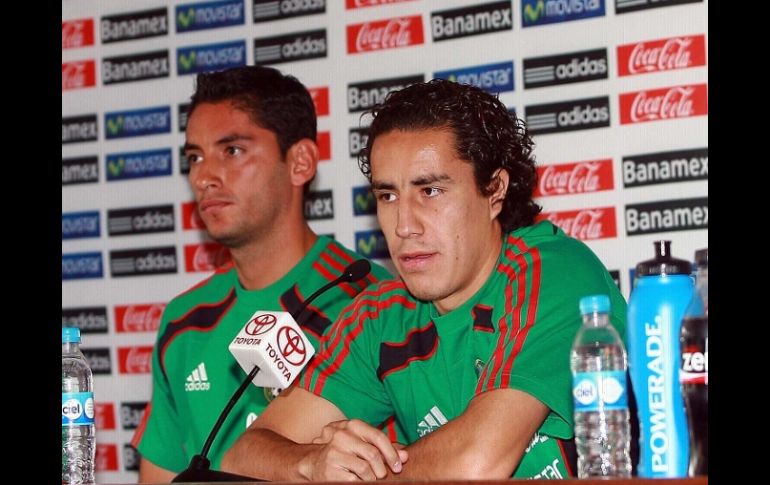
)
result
[(655, 312), (77, 408), (594, 391)]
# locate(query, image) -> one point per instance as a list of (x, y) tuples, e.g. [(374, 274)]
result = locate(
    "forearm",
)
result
[(264, 454), (443, 456), (486, 442)]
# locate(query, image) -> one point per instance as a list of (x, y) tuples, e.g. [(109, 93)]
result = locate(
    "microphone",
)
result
[(271, 342)]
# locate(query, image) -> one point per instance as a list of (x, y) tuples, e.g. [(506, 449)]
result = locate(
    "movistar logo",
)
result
[(531, 13), (372, 244), (139, 122), (114, 125), (184, 19), (187, 61), (129, 165), (363, 201), (541, 12), (115, 167), (209, 15), (210, 57)]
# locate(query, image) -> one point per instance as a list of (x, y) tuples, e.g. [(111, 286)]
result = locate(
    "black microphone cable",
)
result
[(198, 470)]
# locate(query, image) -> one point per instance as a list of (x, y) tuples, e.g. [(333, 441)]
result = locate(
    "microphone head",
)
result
[(276, 344), (356, 270)]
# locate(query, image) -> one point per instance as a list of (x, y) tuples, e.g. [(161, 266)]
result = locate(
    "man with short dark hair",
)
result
[(470, 349), (250, 143)]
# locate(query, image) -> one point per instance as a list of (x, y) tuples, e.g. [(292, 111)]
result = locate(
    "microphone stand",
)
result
[(199, 469)]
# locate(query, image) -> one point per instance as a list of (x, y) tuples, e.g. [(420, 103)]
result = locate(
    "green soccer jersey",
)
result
[(390, 354), (193, 372)]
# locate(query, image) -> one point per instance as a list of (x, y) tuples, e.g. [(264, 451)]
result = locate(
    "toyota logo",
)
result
[(261, 324), (291, 345)]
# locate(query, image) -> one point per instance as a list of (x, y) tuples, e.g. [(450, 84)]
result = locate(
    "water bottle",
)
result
[(78, 448), (598, 363), (694, 370), (662, 292)]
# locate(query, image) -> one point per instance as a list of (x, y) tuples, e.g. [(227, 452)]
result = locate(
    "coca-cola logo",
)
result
[(206, 257), (324, 142), (585, 224), (385, 34), (672, 55), (320, 98), (106, 458), (352, 4), (77, 33), (661, 104), (139, 318), (574, 178), (135, 360), (79, 74), (675, 103), (191, 218), (661, 55), (104, 416)]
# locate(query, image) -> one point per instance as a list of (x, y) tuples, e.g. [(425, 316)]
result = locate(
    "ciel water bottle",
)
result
[(598, 363), (78, 448)]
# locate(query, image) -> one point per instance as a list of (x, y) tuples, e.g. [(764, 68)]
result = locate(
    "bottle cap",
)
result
[(663, 263), (70, 334), (594, 304)]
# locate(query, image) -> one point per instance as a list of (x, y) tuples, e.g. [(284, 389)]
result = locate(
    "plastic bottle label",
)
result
[(77, 408), (594, 391)]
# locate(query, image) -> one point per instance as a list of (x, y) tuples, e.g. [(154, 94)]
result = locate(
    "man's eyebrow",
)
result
[(222, 141), (234, 137), (431, 179), (418, 182), (382, 186)]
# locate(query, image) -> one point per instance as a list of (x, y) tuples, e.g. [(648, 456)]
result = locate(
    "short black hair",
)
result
[(485, 133), (275, 101)]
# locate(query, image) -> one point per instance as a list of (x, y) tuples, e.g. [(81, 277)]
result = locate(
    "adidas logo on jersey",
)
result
[(431, 422), (198, 380)]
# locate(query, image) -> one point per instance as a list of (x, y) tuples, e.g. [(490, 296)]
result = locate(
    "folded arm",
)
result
[(301, 436), (486, 442)]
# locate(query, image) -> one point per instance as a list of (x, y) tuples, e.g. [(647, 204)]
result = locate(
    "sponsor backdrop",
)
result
[(614, 91)]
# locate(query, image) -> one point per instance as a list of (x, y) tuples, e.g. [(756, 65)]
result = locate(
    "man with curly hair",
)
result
[(469, 350)]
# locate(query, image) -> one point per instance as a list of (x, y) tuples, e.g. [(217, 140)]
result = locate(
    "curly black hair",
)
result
[(275, 101), (486, 134)]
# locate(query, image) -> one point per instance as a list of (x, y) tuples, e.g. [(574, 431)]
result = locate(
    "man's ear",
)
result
[(302, 160), (499, 187)]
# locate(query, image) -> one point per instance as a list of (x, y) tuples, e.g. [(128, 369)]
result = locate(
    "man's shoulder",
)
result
[(210, 290), (335, 250), (549, 242), (382, 299)]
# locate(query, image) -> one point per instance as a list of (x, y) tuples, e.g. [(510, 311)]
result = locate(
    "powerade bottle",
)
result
[(658, 301)]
